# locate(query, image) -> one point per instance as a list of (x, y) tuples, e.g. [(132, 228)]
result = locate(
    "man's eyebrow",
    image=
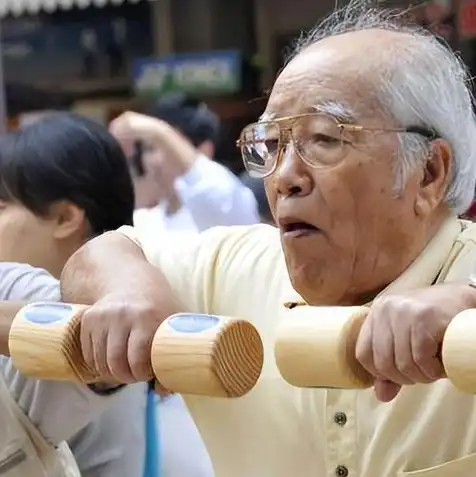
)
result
[(336, 109)]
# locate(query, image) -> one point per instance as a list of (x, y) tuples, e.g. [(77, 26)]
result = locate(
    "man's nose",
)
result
[(292, 175)]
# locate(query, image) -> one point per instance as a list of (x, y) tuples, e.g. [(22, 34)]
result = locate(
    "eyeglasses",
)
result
[(320, 141)]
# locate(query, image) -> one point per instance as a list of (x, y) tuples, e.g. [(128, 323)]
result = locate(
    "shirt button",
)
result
[(342, 471), (340, 418)]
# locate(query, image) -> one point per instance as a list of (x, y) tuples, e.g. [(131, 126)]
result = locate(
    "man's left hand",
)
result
[(401, 338)]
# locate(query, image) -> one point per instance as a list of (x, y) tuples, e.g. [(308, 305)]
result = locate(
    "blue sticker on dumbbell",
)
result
[(47, 313), (192, 323)]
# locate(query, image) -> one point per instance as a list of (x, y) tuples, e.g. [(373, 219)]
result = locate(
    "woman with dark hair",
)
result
[(63, 180)]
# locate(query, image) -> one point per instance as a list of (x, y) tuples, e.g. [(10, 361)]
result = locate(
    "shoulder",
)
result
[(200, 267), (253, 240), (256, 243), (19, 281), (236, 246)]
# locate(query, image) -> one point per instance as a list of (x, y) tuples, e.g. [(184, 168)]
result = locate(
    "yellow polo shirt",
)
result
[(281, 431)]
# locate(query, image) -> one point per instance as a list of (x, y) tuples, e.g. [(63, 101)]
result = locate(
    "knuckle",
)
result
[(406, 367), (118, 369), (381, 302), (386, 368), (363, 352), (420, 357), (382, 366), (400, 306), (430, 367), (139, 356), (364, 355), (387, 302), (116, 355)]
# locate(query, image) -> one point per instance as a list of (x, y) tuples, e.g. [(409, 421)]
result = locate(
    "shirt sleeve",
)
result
[(214, 196), (57, 409), (114, 444), (207, 271)]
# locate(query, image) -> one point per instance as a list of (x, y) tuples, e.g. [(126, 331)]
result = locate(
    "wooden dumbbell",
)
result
[(191, 353), (315, 348)]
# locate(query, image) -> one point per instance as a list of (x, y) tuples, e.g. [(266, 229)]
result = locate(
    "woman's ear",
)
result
[(68, 218)]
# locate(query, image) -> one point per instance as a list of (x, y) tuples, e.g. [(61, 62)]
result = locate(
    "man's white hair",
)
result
[(425, 84)]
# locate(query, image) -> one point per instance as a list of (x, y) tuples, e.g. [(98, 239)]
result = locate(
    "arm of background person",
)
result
[(212, 193), (215, 196), (112, 443)]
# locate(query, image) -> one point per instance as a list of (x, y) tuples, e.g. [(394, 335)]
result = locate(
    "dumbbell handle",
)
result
[(315, 348), (191, 353)]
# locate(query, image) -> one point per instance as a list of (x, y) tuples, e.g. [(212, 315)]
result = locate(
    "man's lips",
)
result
[(297, 229)]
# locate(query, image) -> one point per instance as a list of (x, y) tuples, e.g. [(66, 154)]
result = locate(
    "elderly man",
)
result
[(369, 153)]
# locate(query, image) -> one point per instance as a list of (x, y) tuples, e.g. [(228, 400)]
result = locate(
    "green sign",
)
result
[(200, 73)]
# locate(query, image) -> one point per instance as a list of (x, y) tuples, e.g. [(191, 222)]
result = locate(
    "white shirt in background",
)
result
[(211, 195)]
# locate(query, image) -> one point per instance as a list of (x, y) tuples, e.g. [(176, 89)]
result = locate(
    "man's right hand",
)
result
[(116, 337), (129, 299)]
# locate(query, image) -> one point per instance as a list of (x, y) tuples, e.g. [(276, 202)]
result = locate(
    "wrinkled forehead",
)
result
[(327, 77)]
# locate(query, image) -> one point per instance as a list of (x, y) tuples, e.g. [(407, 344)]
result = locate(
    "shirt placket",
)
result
[(341, 434)]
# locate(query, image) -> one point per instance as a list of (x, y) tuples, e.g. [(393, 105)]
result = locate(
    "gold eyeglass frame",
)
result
[(283, 140)]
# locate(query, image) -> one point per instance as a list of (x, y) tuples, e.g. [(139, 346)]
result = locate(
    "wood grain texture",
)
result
[(223, 360), (191, 354), (49, 350)]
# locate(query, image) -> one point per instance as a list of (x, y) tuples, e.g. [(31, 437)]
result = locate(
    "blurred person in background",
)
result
[(256, 186), (178, 185), (63, 180)]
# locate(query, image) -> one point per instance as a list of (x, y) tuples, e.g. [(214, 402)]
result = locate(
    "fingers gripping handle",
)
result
[(207, 355), (44, 342), (191, 354), (315, 347)]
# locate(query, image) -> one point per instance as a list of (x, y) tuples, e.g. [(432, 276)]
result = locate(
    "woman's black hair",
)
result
[(68, 157)]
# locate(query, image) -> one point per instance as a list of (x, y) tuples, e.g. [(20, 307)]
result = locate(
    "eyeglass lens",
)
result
[(318, 140)]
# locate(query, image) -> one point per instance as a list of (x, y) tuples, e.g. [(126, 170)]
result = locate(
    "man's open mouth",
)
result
[(298, 229)]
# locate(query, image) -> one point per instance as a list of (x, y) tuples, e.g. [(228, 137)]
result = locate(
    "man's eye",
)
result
[(271, 144), (324, 138)]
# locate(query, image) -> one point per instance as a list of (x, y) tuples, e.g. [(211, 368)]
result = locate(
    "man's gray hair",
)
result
[(425, 84)]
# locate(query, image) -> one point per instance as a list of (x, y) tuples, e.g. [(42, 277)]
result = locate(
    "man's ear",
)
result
[(436, 177), (68, 218)]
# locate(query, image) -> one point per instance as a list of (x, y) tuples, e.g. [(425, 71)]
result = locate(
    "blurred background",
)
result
[(102, 57)]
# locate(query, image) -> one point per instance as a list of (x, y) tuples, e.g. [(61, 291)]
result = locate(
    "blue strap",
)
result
[(152, 454)]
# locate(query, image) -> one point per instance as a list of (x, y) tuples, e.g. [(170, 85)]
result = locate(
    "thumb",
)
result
[(386, 391)]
